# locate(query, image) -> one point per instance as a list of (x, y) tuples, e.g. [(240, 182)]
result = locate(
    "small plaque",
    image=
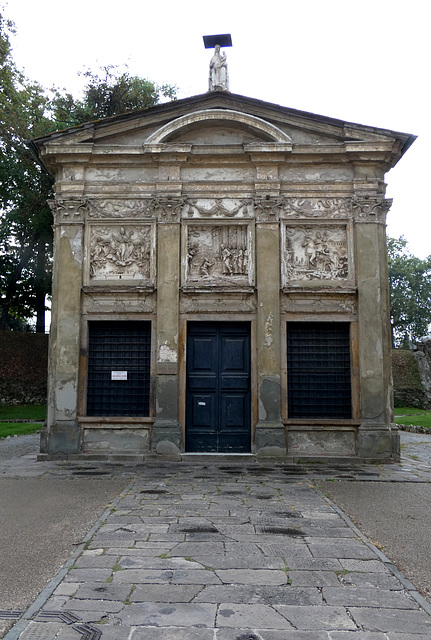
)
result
[(118, 375)]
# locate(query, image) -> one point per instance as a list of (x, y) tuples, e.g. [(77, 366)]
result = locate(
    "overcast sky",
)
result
[(366, 62)]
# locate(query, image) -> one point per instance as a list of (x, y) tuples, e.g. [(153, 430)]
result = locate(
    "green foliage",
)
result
[(410, 291), (107, 93), (25, 219), (18, 428), (29, 111), (23, 412)]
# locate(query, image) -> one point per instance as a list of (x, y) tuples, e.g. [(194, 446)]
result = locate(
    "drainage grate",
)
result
[(283, 531), (154, 491), (61, 616), (88, 632), (10, 614), (90, 473), (200, 530)]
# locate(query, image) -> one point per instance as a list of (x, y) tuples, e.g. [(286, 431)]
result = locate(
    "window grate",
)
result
[(318, 361), (119, 347)]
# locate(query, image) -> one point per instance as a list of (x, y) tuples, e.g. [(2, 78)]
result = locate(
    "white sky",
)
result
[(366, 62)]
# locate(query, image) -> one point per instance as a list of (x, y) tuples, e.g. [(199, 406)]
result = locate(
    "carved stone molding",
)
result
[(314, 252), (219, 208), (215, 304), (317, 208), (367, 208), (218, 255), (120, 208), (167, 209), (124, 303), (322, 304), (121, 252), (268, 209), (69, 211)]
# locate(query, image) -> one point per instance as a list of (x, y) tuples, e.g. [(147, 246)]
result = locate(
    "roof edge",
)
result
[(406, 139)]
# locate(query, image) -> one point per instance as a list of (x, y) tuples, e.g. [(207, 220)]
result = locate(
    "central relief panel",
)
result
[(218, 255)]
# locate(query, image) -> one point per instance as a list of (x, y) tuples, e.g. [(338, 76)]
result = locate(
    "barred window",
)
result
[(119, 368), (318, 366)]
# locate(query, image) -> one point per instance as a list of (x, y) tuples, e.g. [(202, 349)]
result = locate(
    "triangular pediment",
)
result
[(221, 118)]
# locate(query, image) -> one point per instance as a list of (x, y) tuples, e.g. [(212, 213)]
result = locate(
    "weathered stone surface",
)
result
[(167, 615), (313, 578), (104, 591), (392, 620), (317, 617), (249, 615), (252, 576), (167, 448), (250, 594), (367, 597), (167, 593)]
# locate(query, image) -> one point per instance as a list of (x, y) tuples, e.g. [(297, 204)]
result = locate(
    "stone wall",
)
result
[(23, 371), (422, 353), (411, 374)]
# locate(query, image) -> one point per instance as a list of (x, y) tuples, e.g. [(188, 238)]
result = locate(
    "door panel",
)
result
[(218, 387)]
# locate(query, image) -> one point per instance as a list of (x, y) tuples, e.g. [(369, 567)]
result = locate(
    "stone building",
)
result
[(220, 284)]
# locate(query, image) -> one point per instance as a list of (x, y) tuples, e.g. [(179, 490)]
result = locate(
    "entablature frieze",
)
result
[(298, 304), (264, 207), (218, 302), (97, 301)]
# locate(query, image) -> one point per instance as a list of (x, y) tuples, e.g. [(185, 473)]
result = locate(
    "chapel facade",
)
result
[(220, 284)]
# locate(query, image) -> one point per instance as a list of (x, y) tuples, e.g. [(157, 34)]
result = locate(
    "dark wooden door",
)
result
[(218, 417)]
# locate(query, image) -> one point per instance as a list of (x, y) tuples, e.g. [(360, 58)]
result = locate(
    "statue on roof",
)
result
[(218, 76)]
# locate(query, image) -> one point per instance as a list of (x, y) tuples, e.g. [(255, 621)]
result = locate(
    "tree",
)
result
[(27, 111), (107, 93), (410, 292), (25, 219)]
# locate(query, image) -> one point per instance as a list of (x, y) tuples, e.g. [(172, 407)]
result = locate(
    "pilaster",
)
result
[(377, 436), (166, 437), (270, 434), (62, 434)]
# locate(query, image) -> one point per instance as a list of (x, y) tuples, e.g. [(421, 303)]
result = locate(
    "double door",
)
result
[(218, 411)]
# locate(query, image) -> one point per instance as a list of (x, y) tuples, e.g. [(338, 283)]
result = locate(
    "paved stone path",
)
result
[(227, 552)]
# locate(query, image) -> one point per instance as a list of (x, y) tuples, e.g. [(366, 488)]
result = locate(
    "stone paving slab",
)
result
[(191, 553)]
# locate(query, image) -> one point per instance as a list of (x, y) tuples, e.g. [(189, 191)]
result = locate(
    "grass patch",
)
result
[(18, 428), (416, 421), (410, 411), (23, 412)]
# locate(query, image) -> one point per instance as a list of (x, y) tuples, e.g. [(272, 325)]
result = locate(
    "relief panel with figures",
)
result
[(218, 255), (121, 252), (314, 252)]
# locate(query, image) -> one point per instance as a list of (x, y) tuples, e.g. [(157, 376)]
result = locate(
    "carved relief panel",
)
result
[(218, 255), (315, 252), (121, 252)]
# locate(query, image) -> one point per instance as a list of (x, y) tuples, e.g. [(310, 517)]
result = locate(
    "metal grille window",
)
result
[(318, 363), (119, 369)]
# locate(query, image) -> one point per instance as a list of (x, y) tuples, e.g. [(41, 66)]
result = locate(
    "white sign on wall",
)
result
[(118, 375)]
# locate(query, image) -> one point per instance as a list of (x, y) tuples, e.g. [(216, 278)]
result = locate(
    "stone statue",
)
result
[(218, 77)]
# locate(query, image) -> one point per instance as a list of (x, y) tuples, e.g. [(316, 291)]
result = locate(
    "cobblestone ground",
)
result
[(228, 553)]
